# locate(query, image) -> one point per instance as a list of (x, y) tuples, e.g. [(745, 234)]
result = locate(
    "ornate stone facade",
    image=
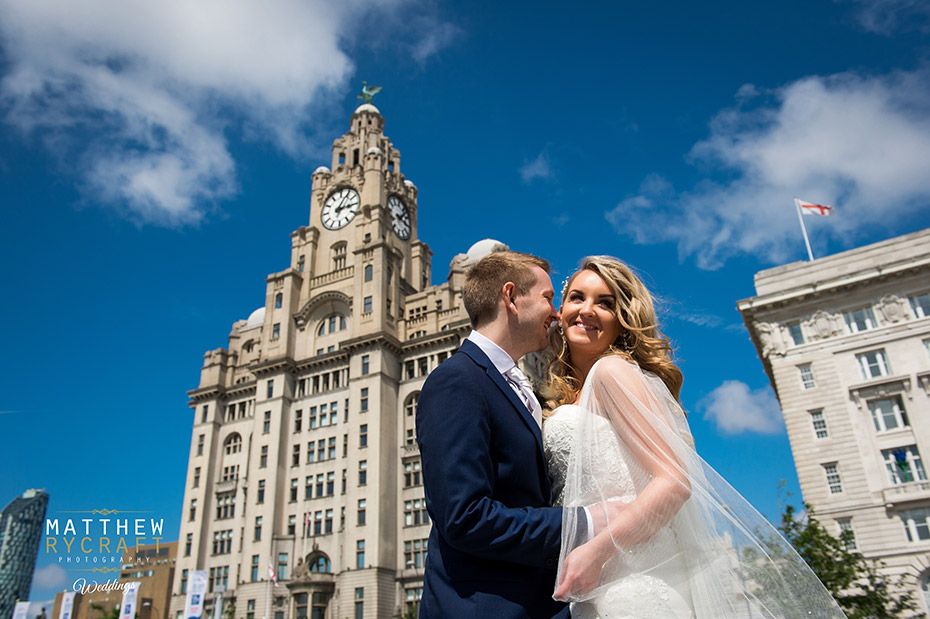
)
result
[(303, 456), (851, 372)]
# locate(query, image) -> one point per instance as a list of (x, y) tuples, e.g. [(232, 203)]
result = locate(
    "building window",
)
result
[(260, 495), (203, 416), (363, 435), (282, 566), (359, 557), (320, 565), (415, 553), (263, 458), (362, 503), (364, 401), (226, 505), (276, 331), (410, 368), (365, 364), (196, 477), (916, 524), (904, 465), (888, 413), (233, 444), (819, 423), (291, 524), (920, 304), (423, 366), (415, 513), (873, 364), (313, 417), (366, 305), (847, 535), (188, 543), (807, 376), (410, 408), (319, 485), (860, 319), (298, 420), (295, 455), (339, 256), (270, 389), (412, 473), (300, 263), (184, 581), (219, 578), (254, 574), (368, 271), (222, 542), (331, 482), (833, 478), (363, 473), (797, 336), (200, 445), (266, 426), (359, 597), (293, 493), (277, 300), (328, 524), (192, 512)]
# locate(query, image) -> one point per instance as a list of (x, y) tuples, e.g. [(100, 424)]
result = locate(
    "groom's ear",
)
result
[(509, 296)]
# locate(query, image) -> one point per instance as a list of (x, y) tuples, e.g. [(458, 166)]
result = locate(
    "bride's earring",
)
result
[(561, 331)]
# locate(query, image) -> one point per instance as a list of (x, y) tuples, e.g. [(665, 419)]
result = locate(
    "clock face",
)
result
[(339, 209), (400, 217)]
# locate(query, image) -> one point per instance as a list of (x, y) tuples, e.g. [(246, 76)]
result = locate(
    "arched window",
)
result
[(319, 564), (233, 444), (339, 256), (277, 300), (368, 271), (925, 588), (410, 406), (332, 324), (248, 346)]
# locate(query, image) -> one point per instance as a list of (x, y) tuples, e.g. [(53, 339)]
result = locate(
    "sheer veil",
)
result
[(711, 545)]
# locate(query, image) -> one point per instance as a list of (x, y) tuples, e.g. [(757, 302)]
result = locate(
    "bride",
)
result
[(684, 543)]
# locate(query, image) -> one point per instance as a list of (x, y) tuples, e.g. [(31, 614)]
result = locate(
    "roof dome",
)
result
[(408, 182), (366, 107), (322, 169), (375, 150), (482, 248), (256, 318)]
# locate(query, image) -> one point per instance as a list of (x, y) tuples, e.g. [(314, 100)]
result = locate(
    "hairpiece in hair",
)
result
[(565, 286)]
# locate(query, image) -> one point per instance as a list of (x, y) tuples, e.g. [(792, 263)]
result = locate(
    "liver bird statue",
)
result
[(368, 92)]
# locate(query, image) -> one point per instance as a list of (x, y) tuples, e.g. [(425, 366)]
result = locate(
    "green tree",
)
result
[(106, 613), (857, 583)]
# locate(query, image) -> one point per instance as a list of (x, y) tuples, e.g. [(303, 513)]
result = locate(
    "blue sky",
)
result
[(153, 161)]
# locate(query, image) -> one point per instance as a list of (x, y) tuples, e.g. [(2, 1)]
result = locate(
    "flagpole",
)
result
[(797, 205)]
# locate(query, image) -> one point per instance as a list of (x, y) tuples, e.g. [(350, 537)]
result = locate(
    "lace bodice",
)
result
[(558, 434)]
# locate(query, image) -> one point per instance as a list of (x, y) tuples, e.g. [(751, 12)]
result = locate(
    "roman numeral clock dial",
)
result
[(340, 208), (400, 218)]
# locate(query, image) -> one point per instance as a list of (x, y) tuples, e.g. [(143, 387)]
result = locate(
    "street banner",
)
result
[(21, 610), (197, 587), (67, 605), (127, 608)]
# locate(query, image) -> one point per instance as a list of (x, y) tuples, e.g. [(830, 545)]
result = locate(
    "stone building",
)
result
[(845, 341), (21, 528), (303, 459)]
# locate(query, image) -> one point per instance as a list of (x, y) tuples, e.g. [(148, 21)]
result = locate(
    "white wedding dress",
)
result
[(716, 557)]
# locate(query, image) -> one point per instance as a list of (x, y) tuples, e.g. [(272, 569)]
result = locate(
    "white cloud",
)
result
[(136, 96), (860, 143), (735, 409), (434, 37), (537, 168), (49, 577), (888, 16)]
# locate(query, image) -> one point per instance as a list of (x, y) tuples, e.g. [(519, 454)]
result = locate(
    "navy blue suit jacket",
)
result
[(494, 543)]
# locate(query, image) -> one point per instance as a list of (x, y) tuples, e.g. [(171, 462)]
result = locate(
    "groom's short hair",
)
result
[(484, 280)]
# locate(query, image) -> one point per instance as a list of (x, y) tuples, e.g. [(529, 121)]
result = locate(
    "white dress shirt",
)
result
[(504, 363)]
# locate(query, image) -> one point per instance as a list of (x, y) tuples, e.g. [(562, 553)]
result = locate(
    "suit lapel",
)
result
[(471, 349)]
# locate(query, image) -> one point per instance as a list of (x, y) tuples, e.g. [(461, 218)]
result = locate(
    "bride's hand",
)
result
[(580, 573)]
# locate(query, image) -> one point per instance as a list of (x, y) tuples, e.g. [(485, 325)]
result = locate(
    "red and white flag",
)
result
[(809, 208), (272, 575)]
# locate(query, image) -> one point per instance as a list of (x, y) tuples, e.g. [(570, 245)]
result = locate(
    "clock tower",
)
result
[(303, 456)]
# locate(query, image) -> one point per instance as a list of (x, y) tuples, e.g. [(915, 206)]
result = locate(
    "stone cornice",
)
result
[(832, 286), (372, 341), (452, 334), (335, 359), (273, 366)]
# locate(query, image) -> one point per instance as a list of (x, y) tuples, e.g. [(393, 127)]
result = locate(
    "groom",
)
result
[(494, 544)]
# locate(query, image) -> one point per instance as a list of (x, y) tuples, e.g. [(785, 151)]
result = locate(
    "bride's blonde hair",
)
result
[(640, 341)]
